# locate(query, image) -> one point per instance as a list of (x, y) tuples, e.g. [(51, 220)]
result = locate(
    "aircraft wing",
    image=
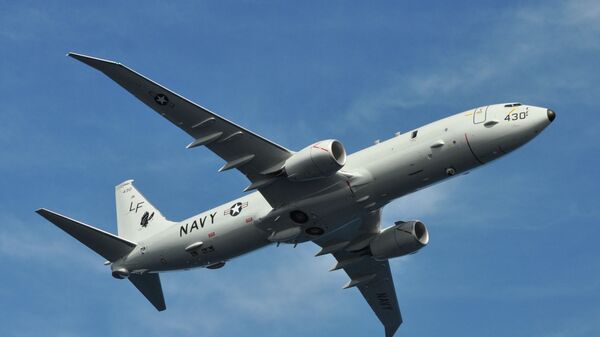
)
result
[(255, 156), (372, 278)]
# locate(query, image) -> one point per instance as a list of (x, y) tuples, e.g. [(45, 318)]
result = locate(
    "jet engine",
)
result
[(401, 239), (319, 160)]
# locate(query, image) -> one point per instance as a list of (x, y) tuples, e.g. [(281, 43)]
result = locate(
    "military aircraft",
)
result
[(319, 194)]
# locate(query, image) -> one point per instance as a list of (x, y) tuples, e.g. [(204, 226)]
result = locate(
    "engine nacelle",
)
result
[(319, 160), (401, 239)]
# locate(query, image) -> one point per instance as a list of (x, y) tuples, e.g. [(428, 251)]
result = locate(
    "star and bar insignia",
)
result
[(236, 208), (161, 99)]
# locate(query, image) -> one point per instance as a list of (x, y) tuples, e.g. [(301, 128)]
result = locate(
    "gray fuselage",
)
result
[(371, 178)]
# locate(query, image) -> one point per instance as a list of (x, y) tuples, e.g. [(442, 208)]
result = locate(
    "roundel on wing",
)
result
[(161, 99), (235, 209)]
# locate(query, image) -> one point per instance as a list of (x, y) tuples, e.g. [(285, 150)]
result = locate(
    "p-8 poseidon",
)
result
[(319, 194)]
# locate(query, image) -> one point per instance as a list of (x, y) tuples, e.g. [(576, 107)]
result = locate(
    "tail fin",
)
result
[(105, 244), (137, 218), (112, 248)]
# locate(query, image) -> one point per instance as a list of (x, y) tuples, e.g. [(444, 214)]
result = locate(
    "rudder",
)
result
[(137, 218)]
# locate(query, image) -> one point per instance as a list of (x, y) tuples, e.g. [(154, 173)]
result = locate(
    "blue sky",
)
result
[(514, 245)]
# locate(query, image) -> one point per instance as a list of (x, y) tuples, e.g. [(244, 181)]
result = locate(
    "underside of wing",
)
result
[(255, 156), (372, 278)]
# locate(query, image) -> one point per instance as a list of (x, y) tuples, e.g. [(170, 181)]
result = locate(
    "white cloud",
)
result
[(428, 202), (12, 27), (19, 241), (521, 39), (579, 325), (581, 13), (514, 292), (285, 285)]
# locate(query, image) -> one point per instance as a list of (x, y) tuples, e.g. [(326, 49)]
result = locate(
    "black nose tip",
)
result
[(551, 115)]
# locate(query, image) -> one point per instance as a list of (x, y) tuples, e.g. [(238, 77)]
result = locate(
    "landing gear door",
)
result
[(479, 115)]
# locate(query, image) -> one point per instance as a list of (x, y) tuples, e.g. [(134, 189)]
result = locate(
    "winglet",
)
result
[(88, 59), (94, 62)]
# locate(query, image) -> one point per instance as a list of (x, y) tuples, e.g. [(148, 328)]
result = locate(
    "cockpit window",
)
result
[(414, 134), (510, 105)]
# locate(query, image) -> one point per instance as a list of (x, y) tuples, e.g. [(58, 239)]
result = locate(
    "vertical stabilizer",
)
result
[(137, 218)]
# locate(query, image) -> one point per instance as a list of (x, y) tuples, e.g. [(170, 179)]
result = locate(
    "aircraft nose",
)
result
[(551, 115)]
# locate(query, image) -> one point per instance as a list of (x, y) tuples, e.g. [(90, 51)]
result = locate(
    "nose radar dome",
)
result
[(551, 115)]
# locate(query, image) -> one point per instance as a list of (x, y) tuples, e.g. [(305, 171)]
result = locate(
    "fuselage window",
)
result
[(414, 134)]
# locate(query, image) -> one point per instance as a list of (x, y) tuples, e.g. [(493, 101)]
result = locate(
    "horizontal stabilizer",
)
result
[(107, 245), (149, 285)]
